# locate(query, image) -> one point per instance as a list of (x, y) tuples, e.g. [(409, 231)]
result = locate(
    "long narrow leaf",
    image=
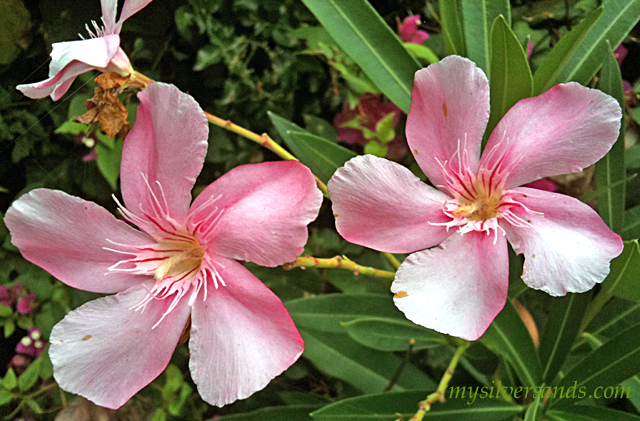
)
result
[(387, 406), (371, 43), (511, 78), (560, 332), (478, 16), (610, 169), (549, 72), (509, 337), (589, 413), (452, 31), (612, 363), (619, 17)]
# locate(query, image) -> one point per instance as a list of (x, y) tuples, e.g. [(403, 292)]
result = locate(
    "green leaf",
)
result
[(322, 156), (275, 413), (386, 406), (30, 376), (450, 20), (619, 17), (46, 368), (385, 334), (72, 127), (610, 169), (625, 271), (159, 415), (511, 78), (9, 328), (366, 369), (109, 162), (509, 337), (478, 18), (371, 43), (5, 311), (10, 380), (5, 397), (384, 129), (360, 84), (327, 312), (549, 72), (562, 328), (421, 51), (631, 228), (632, 156), (374, 148), (15, 22), (320, 127), (535, 411), (612, 363), (589, 413)]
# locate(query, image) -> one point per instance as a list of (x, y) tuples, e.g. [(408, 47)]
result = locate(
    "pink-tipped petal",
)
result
[(241, 337), (167, 146), (564, 130), (107, 351), (57, 85), (382, 205), (568, 249), (130, 8), (258, 212), (457, 288), (109, 10), (449, 110), (94, 52), (67, 237)]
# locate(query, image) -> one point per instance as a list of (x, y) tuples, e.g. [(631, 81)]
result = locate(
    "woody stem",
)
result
[(338, 262)]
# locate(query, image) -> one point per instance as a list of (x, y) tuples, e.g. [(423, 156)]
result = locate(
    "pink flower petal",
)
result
[(566, 250), (106, 351), (241, 337), (449, 110), (258, 212), (70, 59), (66, 236), (564, 130), (129, 8), (94, 52), (167, 145), (457, 288), (109, 10), (382, 205), (57, 85)]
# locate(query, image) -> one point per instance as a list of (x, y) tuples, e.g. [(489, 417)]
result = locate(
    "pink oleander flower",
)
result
[(100, 52), (408, 30), (182, 263), (460, 286), (26, 303)]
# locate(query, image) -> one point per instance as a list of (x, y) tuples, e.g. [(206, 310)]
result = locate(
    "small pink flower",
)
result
[(32, 344), (100, 52), (408, 30), (183, 262), (26, 303), (5, 296), (460, 286)]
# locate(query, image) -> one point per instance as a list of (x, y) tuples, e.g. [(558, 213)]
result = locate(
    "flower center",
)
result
[(179, 259), (484, 204)]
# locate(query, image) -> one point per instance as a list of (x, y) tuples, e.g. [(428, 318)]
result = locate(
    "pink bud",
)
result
[(25, 304)]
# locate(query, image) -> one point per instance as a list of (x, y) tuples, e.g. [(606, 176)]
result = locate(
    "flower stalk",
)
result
[(262, 140), (439, 395), (338, 262)]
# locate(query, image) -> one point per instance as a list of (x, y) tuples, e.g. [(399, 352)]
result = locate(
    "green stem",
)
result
[(338, 262), (439, 395), (392, 259)]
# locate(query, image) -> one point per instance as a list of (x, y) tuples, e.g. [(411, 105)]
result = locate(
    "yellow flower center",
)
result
[(183, 257), (484, 205)]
